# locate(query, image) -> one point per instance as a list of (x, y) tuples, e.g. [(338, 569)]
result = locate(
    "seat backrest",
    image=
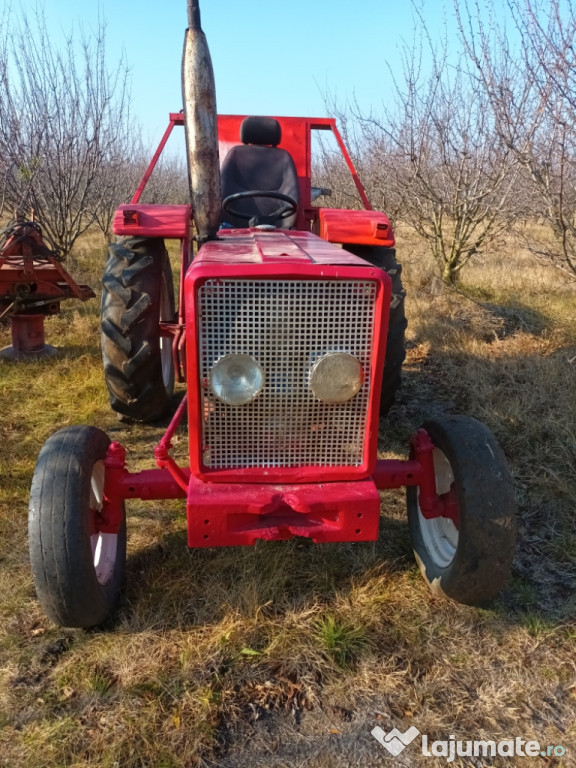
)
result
[(258, 164)]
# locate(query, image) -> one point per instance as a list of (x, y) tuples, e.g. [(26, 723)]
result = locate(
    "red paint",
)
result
[(430, 502), (296, 139), (109, 518), (361, 227), (232, 513), (162, 450), (27, 333), (395, 473), (33, 282), (239, 247), (351, 167), (419, 471), (176, 118), (29, 269), (236, 507), (269, 256), (168, 221), (239, 514)]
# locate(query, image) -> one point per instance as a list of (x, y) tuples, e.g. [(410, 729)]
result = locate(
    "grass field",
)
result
[(288, 654)]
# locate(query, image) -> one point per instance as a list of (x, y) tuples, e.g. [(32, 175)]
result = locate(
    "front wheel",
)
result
[(466, 555), (78, 569)]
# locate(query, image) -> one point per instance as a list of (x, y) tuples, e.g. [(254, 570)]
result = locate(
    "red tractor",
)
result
[(289, 331)]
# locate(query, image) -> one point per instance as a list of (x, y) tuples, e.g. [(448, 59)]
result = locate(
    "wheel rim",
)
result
[(439, 534), (104, 545)]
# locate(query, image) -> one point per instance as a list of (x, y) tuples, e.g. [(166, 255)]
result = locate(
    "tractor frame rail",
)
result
[(223, 514)]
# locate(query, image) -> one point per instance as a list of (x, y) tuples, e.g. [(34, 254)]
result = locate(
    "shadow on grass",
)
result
[(168, 584), (485, 321), (522, 389), (514, 317), (172, 587)]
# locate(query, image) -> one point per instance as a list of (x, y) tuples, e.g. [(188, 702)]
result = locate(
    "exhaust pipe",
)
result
[(200, 120)]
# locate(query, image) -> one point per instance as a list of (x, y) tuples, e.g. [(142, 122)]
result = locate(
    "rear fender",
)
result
[(338, 225), (167, 221)]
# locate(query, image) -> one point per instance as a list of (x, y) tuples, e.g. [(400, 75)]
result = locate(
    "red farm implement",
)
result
[(289, 331), (33, 282)]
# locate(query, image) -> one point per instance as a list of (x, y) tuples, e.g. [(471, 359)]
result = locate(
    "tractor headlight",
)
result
[(336, 377), (237, 379)]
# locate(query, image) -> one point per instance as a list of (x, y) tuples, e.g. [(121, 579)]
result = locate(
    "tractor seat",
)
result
[(258, 164)]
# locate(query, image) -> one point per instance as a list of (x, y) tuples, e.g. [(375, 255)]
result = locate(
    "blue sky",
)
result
[(269, 58)]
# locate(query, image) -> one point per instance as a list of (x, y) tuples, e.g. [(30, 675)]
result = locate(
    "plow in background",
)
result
[(33, 282)]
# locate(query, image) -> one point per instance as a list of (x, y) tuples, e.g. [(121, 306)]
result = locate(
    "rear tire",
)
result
[(138, 294), (78, 570), (385, 258), (467, 559)]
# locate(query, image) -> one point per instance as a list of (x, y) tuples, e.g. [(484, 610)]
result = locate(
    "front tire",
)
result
[(78, 570), (138, 294), (467, 558)]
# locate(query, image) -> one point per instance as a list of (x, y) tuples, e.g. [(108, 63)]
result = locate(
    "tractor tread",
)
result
[(385, 258), (487, 509), (131, 308), (58, 530)]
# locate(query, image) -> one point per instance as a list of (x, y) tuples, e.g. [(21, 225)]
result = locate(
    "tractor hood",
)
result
[(254, 246)]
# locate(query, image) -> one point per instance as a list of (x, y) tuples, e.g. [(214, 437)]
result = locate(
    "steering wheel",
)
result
[(289, 207)]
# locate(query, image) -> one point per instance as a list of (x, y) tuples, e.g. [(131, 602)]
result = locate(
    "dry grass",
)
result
[(288, 654)]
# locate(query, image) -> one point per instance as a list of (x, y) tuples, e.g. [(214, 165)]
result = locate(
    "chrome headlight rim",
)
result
[(221, 380), (336, 377)]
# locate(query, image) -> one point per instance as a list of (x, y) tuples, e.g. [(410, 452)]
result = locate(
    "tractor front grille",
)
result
[(286, 325)]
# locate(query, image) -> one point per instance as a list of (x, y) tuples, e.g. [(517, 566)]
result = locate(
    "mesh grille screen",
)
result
[(286, 325)]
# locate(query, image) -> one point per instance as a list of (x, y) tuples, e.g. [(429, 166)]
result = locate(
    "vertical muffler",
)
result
[(200, 119)]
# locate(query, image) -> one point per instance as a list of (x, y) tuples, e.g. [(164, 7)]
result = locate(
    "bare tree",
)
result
[(169, 181), (329, 169), (121, 175), (446, 169), (530, 88), (64, 124)]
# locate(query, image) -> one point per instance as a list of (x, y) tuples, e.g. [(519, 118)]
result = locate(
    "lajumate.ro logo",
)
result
[(395, 742)]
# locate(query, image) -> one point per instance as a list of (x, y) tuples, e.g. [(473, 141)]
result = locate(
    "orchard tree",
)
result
[(529, 82), (64, 128), (446, 168), (330, 174)]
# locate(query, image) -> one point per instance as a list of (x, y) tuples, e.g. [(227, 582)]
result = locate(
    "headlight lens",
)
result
[(336, 377), (237, 379)]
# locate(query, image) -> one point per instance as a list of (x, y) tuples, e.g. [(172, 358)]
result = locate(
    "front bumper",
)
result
[(239, 514)]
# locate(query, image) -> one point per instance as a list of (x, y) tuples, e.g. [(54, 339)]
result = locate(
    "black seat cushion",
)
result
[(253, 166), (260, 130)]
